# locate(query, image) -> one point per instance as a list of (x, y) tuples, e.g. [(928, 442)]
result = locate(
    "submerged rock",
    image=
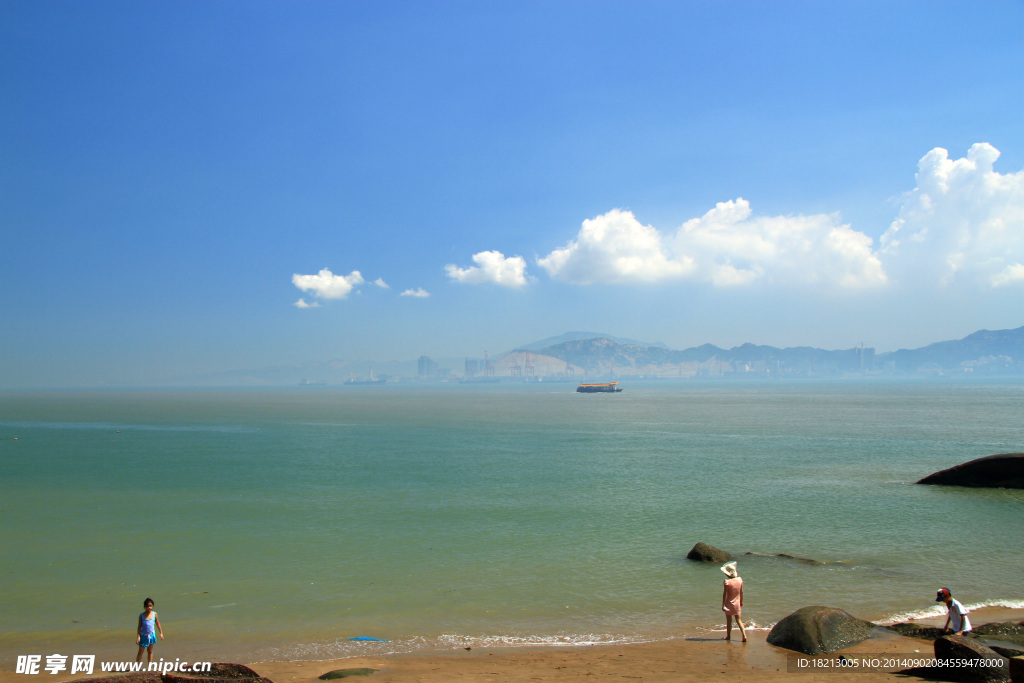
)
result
[(784, 556), (1004, 471), (702, 552), (819, 630)]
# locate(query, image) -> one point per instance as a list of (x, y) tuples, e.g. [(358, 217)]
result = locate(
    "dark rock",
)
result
[(125, 678), (207, 678), (963, 648), (991, 634), (910, 630), (819, 630), (345, 673), (784, 556), (1006, 651), (226, 670), (220, 672), (1007, 631), (994, 471), (1017, 670), (702, 552)]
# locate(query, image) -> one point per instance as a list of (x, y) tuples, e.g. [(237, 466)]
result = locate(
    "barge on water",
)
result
[(605, 388)]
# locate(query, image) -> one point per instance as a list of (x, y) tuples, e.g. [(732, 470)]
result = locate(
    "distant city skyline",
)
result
[(199, 188)]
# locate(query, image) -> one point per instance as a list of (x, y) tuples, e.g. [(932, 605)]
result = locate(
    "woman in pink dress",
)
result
[(732, 600)]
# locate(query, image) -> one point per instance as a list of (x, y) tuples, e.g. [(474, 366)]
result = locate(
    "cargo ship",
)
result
[(605, 388), (372, 380)]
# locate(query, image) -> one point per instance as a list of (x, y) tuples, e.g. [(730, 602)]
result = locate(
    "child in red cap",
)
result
[(957, 612)]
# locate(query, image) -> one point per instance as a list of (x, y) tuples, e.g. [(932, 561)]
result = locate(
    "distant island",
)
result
[(579, 356)]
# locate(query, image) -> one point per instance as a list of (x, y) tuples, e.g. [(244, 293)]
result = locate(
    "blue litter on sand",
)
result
[(376, 640)]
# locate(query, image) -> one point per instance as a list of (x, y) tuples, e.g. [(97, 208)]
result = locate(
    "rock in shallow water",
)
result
[(702, 552), (785, 556), (994, 471)]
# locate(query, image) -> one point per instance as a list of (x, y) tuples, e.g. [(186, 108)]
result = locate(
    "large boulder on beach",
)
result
[(819, 630), (964, 659), (948, 648), (1005, 471), (702, 552)]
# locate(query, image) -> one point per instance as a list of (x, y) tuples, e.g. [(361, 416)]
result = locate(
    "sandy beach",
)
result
[(686, 658), (702, 658)]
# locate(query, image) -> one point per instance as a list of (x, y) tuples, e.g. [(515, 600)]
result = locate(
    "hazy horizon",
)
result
[(337, 369), (195, 188)]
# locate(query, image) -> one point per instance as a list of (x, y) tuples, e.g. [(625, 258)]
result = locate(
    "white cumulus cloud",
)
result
[(491, 267), (1013, 274), (728, 246), (731, 246), (380, 283), (614, 247), (419, 293), (302, 303), (963, 223), (327, 285)]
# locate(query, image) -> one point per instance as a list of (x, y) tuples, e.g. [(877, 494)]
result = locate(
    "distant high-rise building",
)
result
[(866, 358), (473, 367), (426, 367)]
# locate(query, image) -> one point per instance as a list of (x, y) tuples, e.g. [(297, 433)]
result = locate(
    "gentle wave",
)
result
[(343, 648), (939, 610)]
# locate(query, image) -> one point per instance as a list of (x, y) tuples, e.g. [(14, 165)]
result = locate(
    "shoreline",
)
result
[(682, 657)]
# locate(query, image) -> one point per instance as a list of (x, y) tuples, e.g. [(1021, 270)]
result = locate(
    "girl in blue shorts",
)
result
[(149, 626)]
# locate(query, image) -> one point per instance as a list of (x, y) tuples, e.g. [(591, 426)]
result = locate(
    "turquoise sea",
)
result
[(279, 523)]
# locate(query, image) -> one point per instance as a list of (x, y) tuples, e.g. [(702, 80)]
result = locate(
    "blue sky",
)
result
[(191, 187)]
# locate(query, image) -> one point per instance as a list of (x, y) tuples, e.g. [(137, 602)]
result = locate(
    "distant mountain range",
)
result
[(985, 347), (538, 346), (596, 354), (1000, 351)]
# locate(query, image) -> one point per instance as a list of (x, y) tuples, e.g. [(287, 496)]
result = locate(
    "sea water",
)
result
[(280, 523)]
